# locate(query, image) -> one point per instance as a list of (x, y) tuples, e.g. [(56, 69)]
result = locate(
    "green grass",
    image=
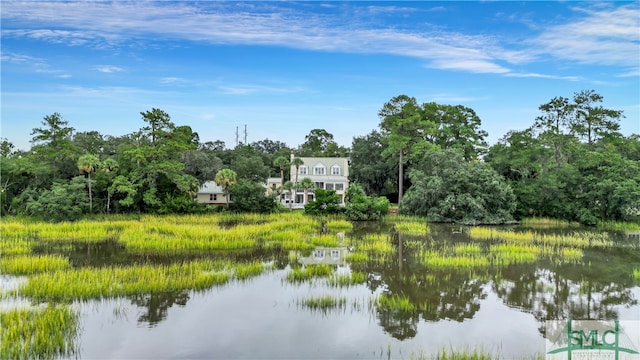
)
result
[(11, 246), (309, 272), (353, 278), (395, 303), (112, 281), (324, 303), (636, 275), (544, 222), (339, 225), (582, 239), (618, 226), (249, 270), (416, 228), (32, 264), (43, 333)]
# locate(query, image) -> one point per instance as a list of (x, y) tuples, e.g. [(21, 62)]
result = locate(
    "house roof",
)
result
[(210, 187)]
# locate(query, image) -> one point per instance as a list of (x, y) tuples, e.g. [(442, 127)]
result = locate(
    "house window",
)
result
[(335, 170), (303, 170), (335, 254), (319, 185), (319, 170), (329, 186), (213, 197), (339, 186)]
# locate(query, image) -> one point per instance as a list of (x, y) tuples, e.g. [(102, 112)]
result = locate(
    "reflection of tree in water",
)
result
[(592, 290), (158, 304), (436, 295)]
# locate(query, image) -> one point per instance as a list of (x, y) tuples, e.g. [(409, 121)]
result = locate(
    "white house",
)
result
[(329, 173), (211, 193)]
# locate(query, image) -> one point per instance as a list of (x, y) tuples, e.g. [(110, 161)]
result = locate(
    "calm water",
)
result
[(501, 310)]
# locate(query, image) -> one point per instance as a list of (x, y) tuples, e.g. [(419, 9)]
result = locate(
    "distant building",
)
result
[(211, 193), (328, 173)]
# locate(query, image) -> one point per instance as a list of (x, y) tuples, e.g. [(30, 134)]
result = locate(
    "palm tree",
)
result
[(226, 178), (297, 162), (282, 163), (88, 164), (306, 184), (289, 186), (109, 166)]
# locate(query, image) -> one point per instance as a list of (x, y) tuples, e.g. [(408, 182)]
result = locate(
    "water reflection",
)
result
[(157, 305), (599, 286)]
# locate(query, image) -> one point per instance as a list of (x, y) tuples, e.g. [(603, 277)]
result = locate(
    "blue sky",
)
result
[(285, 68)]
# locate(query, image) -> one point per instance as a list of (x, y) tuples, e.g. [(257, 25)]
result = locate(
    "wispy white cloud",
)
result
[(243, 89), (543, 76), (35, 64), (606, 35), (108, 68)]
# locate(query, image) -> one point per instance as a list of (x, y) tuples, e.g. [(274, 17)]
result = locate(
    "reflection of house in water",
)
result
[(633, 235), (325, 255)]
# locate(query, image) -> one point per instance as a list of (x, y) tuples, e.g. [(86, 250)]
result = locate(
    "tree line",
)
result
[(432, 159)]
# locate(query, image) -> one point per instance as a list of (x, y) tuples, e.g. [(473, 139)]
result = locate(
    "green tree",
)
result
[(152, 160), (88, 164), (368, 166), (402, 119), (281, 163), (297, 162), (359, 207), (320, 142), (110, 168), (226, 178), (289, 187), (52, 145), (554, 122), (326, 202), (306, 184), (593, 121), (250, 197), (201, 164), (65, 201), (446, 188), (458, 128)]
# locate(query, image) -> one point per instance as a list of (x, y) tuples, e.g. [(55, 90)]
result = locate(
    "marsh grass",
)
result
[(10, 246), (412, 228), (324, 303), (81, 231), (327, 240), (437, 260), (508, 254), (618, 226), (42, 333), (397, 303), (375, 243), (544, 222), (309, 272), (32, 264), (357, 257), (469, 249), (106, 282), (575, 239), (338, 225), (342, 280), (248, 270)]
